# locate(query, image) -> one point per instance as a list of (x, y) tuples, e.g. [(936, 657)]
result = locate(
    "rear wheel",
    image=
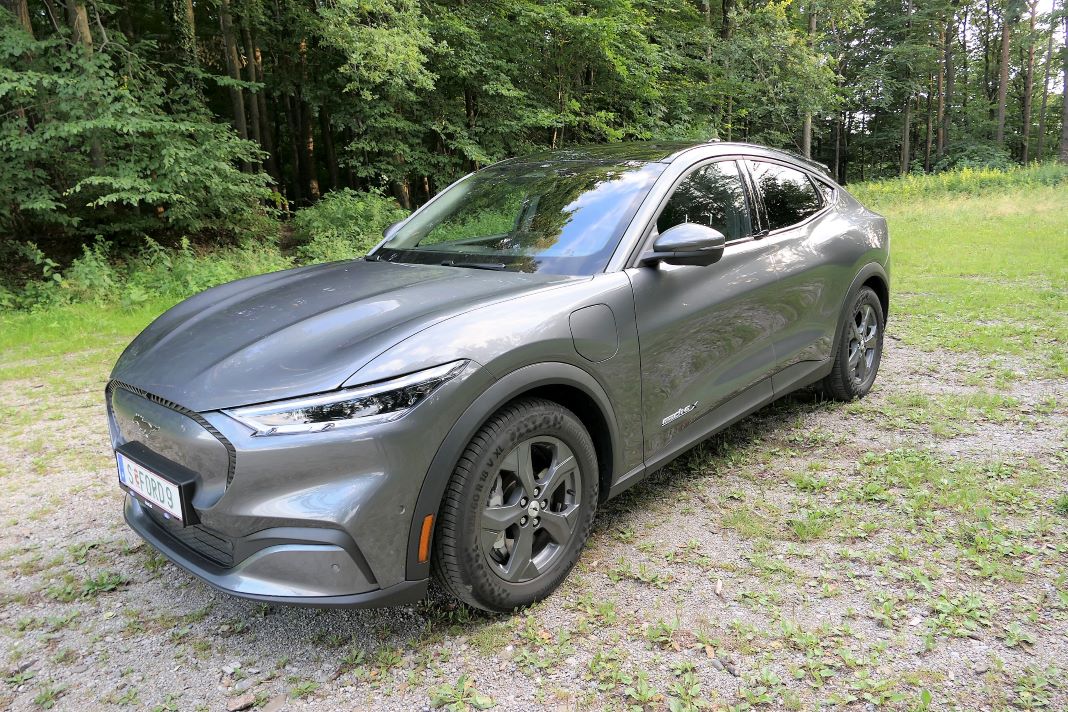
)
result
[(519, 507), (860, 349)]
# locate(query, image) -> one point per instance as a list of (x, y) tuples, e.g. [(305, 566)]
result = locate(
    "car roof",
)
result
[(662, 152)]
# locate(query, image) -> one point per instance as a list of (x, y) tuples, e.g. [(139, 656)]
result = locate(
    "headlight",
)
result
[(387, 400)]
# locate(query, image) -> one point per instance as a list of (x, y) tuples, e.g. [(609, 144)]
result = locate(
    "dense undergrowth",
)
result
[(342, 225)]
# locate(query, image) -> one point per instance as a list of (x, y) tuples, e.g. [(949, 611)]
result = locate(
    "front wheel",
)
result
[(519, 507), (860, 349)]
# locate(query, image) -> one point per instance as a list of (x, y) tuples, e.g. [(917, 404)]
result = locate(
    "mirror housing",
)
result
[(391, 230), (687, 244)]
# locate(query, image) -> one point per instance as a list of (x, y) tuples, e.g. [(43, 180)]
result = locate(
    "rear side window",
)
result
[(789, 196), (711, 195)]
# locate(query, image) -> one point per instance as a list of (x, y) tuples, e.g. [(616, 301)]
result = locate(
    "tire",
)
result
[(484, 527), (855, 369)]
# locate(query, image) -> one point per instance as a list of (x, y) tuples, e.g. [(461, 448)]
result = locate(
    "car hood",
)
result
[(301, 331)]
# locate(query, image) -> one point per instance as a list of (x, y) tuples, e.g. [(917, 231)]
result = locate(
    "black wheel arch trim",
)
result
[(501, 392), (872, 269)]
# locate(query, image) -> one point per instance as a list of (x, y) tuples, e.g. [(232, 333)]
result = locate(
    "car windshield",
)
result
[(562, 217)]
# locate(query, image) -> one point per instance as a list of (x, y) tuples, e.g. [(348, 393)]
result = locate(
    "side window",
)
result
[(712, 195), (789, 196)]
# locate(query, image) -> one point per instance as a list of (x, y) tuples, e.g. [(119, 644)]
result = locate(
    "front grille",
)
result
[(231, 451), (196, 537)]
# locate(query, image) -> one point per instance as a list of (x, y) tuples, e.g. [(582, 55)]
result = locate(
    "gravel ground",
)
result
[(908, 551)]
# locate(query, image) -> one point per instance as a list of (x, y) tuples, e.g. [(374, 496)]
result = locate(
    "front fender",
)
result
[(489, 402)]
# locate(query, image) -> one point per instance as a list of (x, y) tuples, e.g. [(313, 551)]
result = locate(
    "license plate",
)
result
[(153, 488)]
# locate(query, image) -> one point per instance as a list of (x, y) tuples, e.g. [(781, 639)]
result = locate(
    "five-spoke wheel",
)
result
[(532, 508), (519, 507)]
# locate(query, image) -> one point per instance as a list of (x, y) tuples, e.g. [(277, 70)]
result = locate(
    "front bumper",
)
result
[(292, 565), (321, 519)]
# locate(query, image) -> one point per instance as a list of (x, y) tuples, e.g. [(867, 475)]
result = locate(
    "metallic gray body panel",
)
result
[(594, 330), (730, 337)]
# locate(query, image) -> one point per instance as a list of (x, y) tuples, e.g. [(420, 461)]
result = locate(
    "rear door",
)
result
[(705, 333), (805, 231)]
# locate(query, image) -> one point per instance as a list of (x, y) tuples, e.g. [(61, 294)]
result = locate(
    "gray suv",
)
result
[(536, 339)]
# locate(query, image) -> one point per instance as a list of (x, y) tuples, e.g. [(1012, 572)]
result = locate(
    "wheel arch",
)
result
[(872, 275), (563, 383)]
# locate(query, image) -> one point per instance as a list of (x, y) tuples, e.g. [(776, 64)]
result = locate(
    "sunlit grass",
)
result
[(984, 273)]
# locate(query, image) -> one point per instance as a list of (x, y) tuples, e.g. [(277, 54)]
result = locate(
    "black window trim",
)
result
[(747, 189), (824, 203)]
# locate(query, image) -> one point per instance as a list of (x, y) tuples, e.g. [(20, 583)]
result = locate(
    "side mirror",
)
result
[(687, 244), (389, 231)]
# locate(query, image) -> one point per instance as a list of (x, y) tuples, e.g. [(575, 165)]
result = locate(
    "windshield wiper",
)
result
[(496, 266)]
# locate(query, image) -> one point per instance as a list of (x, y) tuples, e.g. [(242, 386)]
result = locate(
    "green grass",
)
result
[(94, 334), (982, 272)]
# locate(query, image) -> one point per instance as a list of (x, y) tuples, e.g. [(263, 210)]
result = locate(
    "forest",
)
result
[(127, 120)]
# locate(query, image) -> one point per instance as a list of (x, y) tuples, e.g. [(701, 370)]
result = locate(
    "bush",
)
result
[(343, 225), (976, 156), (152, 273)]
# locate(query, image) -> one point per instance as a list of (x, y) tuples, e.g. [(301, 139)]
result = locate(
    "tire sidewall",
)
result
[(483, 583)]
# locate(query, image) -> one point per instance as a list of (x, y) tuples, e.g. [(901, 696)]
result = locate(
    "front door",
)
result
[(705, 333)]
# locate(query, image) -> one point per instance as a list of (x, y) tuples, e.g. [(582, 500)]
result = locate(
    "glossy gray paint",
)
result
[(730, 337)]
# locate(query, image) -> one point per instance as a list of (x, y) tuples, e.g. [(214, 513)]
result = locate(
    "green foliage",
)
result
[(460, 697), (978, 156), (93, 144), (343, 225), (149, 275)]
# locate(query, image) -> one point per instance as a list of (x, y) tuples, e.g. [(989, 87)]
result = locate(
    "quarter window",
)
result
[(789, 196), (712, 195)]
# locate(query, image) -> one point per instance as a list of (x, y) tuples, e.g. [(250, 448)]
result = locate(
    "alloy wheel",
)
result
[(863, 341), (532, 509)]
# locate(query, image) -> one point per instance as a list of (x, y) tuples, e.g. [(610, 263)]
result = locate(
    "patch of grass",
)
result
[(1060, 505), (980, 271), (491, 639), (812, 524), (460, 696), (71, 589)]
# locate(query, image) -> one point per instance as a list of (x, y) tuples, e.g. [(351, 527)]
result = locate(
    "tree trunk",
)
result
[(185, 31), (237, 97), (946, 101), (293, 124), (250, 76), (905, 137), (80, 34), (21, 10), (79, 25), (1029, 86), (1064, 101), (928, 144), (725, 28), (307, 147), (266, 132), (1045, 93), (326, 128), (1003, 81), (806, 129)]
